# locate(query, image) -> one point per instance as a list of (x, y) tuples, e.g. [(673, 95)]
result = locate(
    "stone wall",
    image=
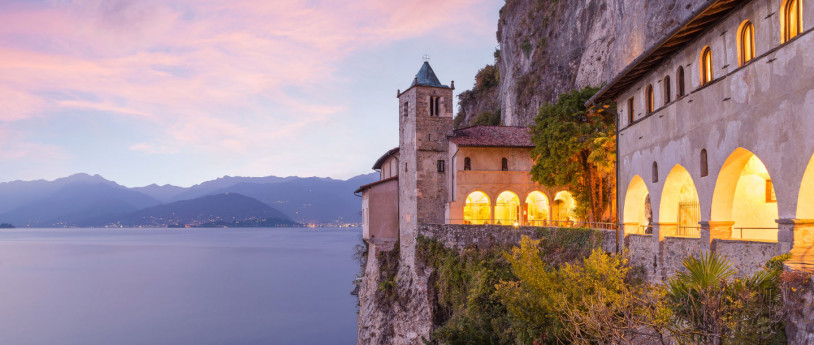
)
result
[(489, 236), (798, 291), (673, 252), (640, 248), (747, 257)]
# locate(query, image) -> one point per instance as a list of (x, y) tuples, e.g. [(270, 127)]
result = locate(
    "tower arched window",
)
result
[(680, 80), (791, 19), (706, 66), (746, 42), (467, 164), (649, 98), (667, 91), (504, 164), (704, 165)]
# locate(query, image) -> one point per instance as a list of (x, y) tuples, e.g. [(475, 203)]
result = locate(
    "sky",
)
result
[(184, 91)]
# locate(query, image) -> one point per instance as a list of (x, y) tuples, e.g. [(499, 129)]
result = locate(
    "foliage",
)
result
[(487, 78), (526, 46), (388, 270), (595, 300), (464, 285), (483, 96), (710, 309), (575, 146)]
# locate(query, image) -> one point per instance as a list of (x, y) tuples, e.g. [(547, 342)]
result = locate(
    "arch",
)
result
[(537, 209), (705, 66), (746, 42), (636, 215), (649, 99), (791, 19), (805, 197), (667, 92), (467, 163), (477, 208), (563, 209), (504, 164), (507, 208), (679, 210), (744, 195), (680, 80)]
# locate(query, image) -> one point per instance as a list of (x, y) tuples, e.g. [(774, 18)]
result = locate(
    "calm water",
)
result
[(177, 286)]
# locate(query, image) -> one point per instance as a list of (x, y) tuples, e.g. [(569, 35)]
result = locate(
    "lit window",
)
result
[(649, 98), (706, 66), (791, 19), (746, 43), (667, 91), (467, 164), (680, 80), (770, 194)]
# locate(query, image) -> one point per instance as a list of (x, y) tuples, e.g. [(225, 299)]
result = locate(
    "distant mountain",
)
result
[(78, 203), (228, 209), (91, 200)]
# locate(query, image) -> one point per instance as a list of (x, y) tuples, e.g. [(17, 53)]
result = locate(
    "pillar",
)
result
[(711, 230)]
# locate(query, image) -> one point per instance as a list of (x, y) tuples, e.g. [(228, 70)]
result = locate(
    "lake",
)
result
[(177, 286)]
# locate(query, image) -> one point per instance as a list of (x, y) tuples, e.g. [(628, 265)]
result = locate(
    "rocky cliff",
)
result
[(548, 47)]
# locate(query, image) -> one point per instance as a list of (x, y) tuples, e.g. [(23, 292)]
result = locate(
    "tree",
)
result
[(575, 146)]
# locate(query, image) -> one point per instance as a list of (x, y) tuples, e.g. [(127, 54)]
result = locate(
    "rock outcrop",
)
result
[(549, 47)]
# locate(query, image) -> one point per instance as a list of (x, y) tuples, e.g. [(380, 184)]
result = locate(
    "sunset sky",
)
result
[(183, 91)]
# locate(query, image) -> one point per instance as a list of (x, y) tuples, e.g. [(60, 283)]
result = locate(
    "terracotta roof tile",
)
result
[(492, 136)]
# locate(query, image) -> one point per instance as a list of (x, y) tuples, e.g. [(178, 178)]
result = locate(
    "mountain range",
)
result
[(91, 200)]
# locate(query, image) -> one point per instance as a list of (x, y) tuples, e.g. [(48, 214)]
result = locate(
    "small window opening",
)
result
[(746, 43), (504, 164), (434, 106), (791, 19), (630, 111), (649, 98), (706, 66), (405, 109), (704, 165), (680, 80), (467, 164), (655, 172), (667, 92), (440, 166)]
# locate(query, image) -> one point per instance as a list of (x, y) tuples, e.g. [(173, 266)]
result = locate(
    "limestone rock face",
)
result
[(549, 47)]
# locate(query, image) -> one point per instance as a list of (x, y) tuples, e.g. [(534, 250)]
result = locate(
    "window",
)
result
[(467, 164), (405, 109), (630, 111), (655, 172), (504, 164), (680, 80), (441, 165), (704, 165), (706, 66), (791, 19), (746, 42), (648, 94), (435, 106), (667, 95), (770, 194)]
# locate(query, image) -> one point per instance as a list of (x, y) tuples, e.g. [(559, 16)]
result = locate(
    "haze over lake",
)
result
[(177, 286)]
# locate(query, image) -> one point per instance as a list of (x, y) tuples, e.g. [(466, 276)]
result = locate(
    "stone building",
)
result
[(714, 138), (437, 175)]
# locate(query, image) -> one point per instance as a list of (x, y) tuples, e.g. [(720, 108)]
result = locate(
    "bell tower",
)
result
[(425, 121)]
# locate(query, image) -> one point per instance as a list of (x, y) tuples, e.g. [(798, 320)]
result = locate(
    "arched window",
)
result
[(504, 164), (704, 165), (706, 65), (467, 164), (746, 42), (630, 111), (477, 209), (655, 172), (649, 98), (667, 95), (791, 19), (680, 80)]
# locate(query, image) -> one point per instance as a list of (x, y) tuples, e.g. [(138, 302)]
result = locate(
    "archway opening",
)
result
[(563, 210), (637, 213), (679, 210), (744, 195), (507, 209), (537, 209), (476, 208)]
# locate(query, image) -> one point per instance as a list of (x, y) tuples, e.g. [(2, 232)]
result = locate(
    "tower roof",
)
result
[(426, 77)]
